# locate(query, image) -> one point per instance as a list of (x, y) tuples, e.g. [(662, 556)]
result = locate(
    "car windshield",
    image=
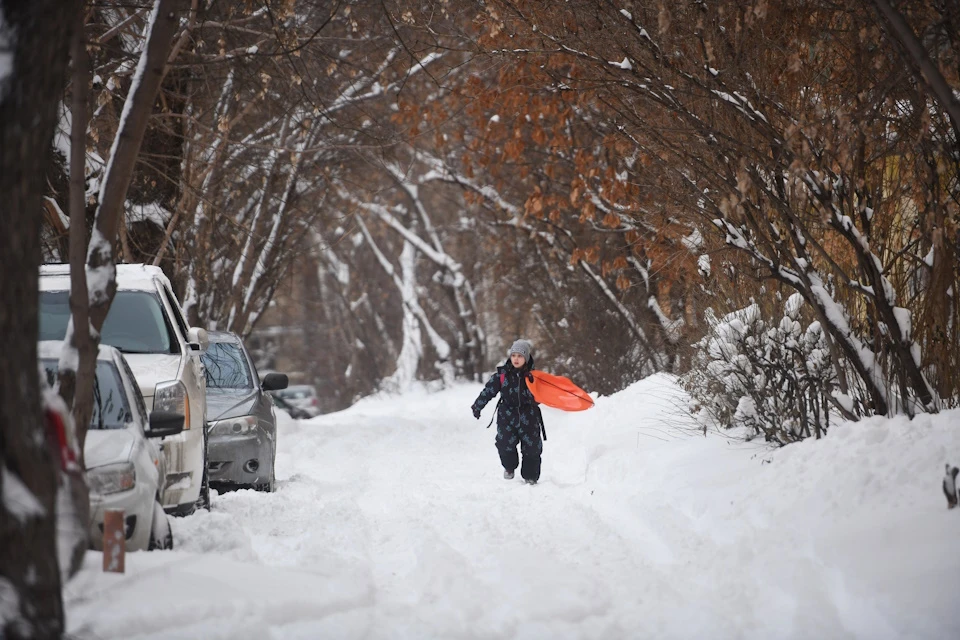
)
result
[(110, 407), (134, 324), (226, 367)]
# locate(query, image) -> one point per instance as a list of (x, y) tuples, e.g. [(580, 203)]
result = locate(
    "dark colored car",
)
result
[(242, 428), (295, 412), (302, 396)]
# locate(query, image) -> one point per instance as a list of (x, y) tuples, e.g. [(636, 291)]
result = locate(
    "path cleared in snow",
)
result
[(392, 520)]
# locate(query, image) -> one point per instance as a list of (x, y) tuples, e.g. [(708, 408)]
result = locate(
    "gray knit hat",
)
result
[(523, 347)]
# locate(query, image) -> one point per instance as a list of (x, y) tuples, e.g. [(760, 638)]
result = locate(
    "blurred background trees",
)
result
[(379, 194)]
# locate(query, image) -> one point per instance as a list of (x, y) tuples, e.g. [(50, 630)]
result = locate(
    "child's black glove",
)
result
[(476, 412)]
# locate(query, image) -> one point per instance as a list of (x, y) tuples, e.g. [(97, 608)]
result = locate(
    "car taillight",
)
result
[(313, 401)]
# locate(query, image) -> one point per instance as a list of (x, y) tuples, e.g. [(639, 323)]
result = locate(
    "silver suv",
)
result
[(147, 324)]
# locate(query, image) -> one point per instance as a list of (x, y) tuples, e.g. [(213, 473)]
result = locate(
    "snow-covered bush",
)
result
[(774, 378)]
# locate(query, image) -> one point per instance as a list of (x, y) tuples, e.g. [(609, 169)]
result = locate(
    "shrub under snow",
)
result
[(774, 378)]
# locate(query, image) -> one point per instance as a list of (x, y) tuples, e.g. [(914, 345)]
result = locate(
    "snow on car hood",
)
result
[(229, 403), (151, 368), (107, 446)]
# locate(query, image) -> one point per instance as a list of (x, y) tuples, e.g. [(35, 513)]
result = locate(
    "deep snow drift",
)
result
[(392, 520)]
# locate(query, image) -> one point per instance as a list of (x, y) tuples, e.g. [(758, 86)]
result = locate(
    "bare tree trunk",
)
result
[(246, 265), (73, 382), (124, 243), (470, 343), (133, 123), (167, 234), (34, 43), (899, 340), (79, 382)]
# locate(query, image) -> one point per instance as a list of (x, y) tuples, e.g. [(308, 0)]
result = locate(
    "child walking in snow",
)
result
[(519, 421)]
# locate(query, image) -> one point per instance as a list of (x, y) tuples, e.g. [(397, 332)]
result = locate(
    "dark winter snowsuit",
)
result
[(518, 419)]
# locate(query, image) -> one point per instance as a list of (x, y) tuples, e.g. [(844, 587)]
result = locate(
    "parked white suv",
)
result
[(125, 467), (146, 323)]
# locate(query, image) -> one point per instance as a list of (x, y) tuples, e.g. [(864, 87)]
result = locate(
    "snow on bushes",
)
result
[(773, 378)]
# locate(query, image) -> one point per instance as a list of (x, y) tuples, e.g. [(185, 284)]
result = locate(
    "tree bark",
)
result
[(133, 124), (34, 42), (78, 383)]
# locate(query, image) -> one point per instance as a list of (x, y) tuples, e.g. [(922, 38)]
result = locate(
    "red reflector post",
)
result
[(114, 541)]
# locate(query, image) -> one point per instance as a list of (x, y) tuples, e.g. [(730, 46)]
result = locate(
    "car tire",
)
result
[(161, 536), (203, 501)]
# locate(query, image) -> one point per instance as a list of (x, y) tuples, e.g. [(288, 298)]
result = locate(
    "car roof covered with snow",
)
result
[(130, 277), (52, 349)]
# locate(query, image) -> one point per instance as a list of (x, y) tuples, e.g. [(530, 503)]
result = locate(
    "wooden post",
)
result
[(114, 540)]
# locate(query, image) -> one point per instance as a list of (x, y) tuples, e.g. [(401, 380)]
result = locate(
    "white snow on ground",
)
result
[(392, 520)]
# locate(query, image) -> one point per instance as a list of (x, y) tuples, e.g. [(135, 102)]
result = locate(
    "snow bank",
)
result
[(392, 520)]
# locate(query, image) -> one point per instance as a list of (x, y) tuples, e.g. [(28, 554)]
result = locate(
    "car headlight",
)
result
[(234, 426), (172, 396), (112, 478)]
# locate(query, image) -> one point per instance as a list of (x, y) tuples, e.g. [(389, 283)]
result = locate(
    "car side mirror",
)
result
[(164, 423), (197, 339), (275, 381)]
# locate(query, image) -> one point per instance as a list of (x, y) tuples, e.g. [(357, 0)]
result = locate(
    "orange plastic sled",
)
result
[(558, 392)]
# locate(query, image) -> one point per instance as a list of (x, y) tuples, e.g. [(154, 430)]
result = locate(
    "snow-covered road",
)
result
[(392, 520)]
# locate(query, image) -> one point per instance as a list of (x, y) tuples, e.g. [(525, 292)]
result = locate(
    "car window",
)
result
[(110, 407), (141, 406), (226, 367), (135, 323)]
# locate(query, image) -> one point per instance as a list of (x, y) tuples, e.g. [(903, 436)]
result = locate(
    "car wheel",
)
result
[(203, 501), (161, 536)]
